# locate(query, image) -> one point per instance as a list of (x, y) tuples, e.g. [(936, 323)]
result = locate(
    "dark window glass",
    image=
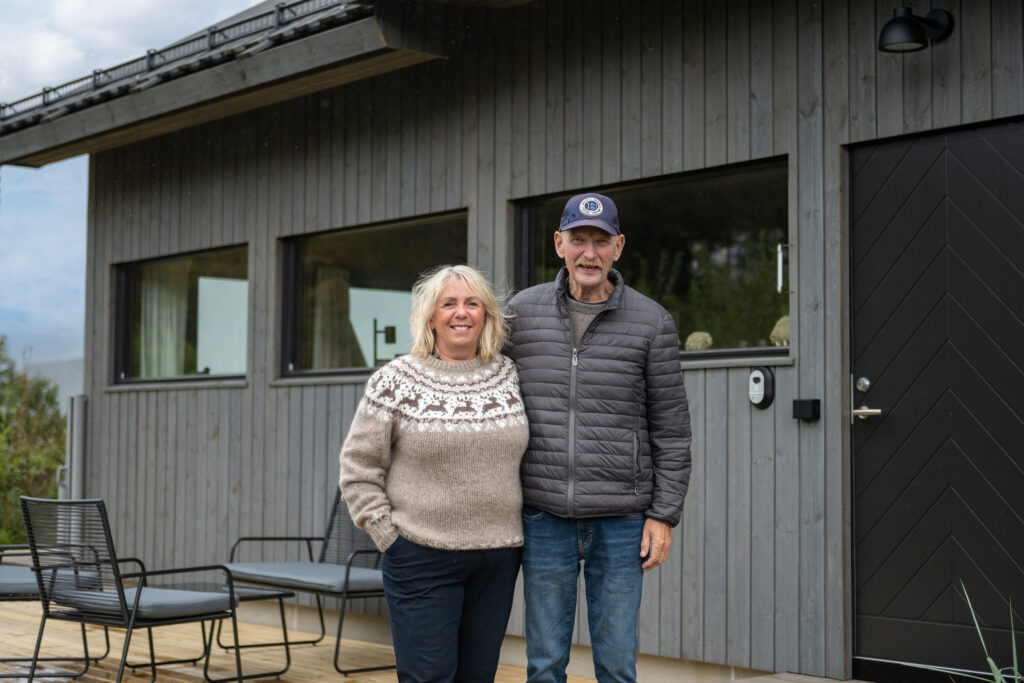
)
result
[(703, 245), (349, 291), (184, 316)]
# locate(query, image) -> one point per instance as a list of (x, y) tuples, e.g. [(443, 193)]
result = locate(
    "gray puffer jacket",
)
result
[(609, 424)]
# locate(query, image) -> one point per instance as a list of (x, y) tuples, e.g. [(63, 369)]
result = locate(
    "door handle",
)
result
[(864, 412)]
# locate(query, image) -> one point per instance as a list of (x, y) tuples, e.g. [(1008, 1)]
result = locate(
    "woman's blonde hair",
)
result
[(427, 291)]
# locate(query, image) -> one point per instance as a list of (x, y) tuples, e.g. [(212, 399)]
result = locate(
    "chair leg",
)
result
[(209, 652), (337, 648), (106, 637), (194, 660), (285, 642), (238, 652), (152, 654), (35, 654), (85, 649), (238, 658), (284, 634), (86, 660), (124, 650)]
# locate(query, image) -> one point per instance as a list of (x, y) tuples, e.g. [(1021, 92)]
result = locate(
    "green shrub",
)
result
[(31, 443)]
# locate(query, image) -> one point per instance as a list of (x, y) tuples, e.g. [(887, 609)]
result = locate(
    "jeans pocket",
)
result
[(399, 540), (532, 514)]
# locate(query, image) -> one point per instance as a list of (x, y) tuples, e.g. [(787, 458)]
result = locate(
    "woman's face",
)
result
[(457, 321)]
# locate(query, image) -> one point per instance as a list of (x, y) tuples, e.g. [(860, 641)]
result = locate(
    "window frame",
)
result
[(124, 317), (290, 269), (523, 242)]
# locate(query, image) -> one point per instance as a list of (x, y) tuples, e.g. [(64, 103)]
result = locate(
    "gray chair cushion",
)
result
[(155, 603), (307, 576), (16, 580)]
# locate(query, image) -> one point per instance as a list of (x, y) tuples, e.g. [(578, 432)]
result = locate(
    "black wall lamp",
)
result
[(906, 32)]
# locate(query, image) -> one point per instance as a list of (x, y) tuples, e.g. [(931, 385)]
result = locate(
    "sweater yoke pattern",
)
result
[(425, 396)]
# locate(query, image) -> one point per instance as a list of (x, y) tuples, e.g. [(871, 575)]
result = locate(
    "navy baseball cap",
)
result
[(590, 209)]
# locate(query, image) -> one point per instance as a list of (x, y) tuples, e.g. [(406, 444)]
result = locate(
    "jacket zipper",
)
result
[(572, 409), (636, 463), (572, 430)]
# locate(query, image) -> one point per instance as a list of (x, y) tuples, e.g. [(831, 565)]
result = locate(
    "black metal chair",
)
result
[(347, 567), (79, 579), (18, 584)]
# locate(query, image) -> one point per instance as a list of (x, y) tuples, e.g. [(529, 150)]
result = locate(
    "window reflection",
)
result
[(185, 316), (349, 290), (703, 245)]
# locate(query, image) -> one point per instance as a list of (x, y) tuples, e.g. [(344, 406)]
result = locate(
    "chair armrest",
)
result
[(133, 560), (364, 551), (229, 577), (177, 570), (352, 556), (15, 550), (309, 540), (136, 561)]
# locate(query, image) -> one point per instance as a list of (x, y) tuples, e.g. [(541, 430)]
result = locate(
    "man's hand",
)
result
[(655, 544)]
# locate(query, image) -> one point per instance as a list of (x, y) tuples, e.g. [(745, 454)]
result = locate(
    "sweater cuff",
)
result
[(383, 533)]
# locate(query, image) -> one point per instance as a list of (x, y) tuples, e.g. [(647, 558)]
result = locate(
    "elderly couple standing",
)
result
[(461, 468)]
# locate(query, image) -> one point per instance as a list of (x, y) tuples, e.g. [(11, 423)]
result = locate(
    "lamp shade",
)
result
[(908, 33), (902, 33)]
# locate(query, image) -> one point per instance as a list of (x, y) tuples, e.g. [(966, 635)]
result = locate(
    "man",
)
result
[(608, 463)]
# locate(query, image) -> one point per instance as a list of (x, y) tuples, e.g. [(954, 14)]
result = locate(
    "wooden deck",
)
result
[(19, 624)]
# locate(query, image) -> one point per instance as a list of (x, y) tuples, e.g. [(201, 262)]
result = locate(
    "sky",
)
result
[(45, 43)]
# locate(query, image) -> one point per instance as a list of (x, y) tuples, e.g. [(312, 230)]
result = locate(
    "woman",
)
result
[(430, 469)]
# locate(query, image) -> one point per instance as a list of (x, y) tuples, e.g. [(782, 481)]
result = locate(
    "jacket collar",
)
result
[(562, 280)]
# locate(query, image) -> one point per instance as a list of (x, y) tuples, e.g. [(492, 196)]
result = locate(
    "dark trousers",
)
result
[(449, 610)]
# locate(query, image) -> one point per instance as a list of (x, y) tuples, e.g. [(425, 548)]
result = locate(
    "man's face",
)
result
[(589, 254)]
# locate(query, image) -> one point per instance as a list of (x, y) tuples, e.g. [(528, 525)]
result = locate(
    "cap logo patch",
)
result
[(591, 206)]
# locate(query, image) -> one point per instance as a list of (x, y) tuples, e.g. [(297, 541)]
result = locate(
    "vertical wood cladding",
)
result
[(546, 97)]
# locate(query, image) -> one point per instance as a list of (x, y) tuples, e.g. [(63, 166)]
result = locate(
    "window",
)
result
[(348, 292), (184, 316), (704, 245)]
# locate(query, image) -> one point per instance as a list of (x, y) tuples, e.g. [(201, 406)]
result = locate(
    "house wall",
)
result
[(544, 98)]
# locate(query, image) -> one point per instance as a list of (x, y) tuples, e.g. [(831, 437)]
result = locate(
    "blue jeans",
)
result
[(449, 610), (609, 548)]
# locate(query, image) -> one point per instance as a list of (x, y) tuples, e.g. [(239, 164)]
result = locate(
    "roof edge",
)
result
[(327, 59)]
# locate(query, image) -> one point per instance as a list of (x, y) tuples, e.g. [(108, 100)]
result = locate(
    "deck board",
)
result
[(19, 623)]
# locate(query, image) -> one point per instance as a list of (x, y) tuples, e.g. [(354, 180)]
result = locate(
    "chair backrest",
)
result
[(74, 559), (343, 536)]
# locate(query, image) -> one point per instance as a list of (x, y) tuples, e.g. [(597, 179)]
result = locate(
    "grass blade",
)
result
[(1017, 678), (977, 628)]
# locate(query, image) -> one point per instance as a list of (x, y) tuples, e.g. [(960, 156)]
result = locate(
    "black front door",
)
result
[(937, 345)]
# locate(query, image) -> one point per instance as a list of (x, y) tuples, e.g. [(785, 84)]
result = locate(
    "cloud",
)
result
[(42, 259), (47, 57), (134, 25), (43, 211), (52, 42)]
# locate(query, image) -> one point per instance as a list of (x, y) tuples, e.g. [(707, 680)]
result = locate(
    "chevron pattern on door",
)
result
[(937, 327)]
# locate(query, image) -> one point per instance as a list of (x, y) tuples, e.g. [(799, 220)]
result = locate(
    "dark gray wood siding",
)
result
[(547, 97)]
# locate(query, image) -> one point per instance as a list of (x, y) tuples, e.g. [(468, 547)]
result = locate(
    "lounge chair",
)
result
[(347, 567), (79, 579)]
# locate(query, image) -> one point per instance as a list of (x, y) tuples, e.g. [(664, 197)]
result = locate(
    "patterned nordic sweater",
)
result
[(433, 454)]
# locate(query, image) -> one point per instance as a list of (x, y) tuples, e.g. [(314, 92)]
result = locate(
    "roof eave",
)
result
[(324, 60)]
